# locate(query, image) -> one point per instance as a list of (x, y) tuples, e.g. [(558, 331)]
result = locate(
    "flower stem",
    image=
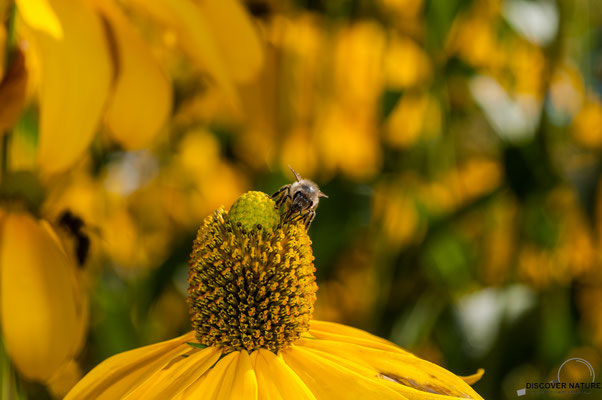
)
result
[(11, 44), (11, 36)]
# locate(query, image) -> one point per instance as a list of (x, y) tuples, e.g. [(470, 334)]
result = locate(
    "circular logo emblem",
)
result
[(576, 368)]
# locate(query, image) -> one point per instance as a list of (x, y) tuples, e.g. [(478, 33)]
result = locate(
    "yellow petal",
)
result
[(64, 379), (276, 380), (176, 375), (244, 386), (235, 36), (39, 15), (40, 313), (81, 299), (209, 386), (327, 379), (229, 377), (474, 378), (185, 18), (141, 98), (75, 78), (117, 375), (409, 375), (347, 334)]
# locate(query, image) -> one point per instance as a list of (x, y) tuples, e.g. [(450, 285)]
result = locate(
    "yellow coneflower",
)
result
[(251, 295)]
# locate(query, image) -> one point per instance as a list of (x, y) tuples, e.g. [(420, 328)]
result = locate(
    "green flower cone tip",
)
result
[(254, 208)]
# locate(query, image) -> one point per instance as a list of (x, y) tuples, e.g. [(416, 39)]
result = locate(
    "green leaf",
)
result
[(197, 345)]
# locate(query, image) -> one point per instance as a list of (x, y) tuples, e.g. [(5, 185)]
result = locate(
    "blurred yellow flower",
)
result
[(415, 116), (406, 64), (251, 297), (406, 8), (347, 141), (474, 177), (587, 124), (473, 37), (93, 62), (44, 309), (395, 210), (572, 255)]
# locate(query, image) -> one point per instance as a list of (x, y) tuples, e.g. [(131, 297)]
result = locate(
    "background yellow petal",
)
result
[(117, 375), (40, 314), (236, 37), (64, 379), (194, 35), (39, 15), (276, 380), (327, 379), (141, 99), (80, 296), (76, 74)]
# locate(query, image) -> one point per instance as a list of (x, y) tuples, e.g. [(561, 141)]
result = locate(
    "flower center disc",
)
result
[(250, 288)]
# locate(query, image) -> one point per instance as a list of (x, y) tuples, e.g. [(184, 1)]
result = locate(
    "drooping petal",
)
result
[(320, 373), (38, 296), (76, 75), (141, 98), (407, 374), (175, 376), (194, 34), (276, 380), (235, 36), (117, 375)]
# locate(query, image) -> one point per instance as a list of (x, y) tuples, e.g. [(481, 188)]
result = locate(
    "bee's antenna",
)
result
[(320, 194), (296, 174)]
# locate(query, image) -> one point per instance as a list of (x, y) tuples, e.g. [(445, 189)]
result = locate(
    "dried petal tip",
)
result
[(252, 209)]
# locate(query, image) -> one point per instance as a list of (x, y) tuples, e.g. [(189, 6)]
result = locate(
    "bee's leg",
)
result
[(289, 215), (281, 195), (293, 217), (283, 200), (308, 218)]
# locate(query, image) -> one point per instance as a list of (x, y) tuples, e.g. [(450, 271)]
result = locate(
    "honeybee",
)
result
[(304, 196)]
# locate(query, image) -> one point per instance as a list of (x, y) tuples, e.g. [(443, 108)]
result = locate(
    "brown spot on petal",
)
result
[(428, 387)]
